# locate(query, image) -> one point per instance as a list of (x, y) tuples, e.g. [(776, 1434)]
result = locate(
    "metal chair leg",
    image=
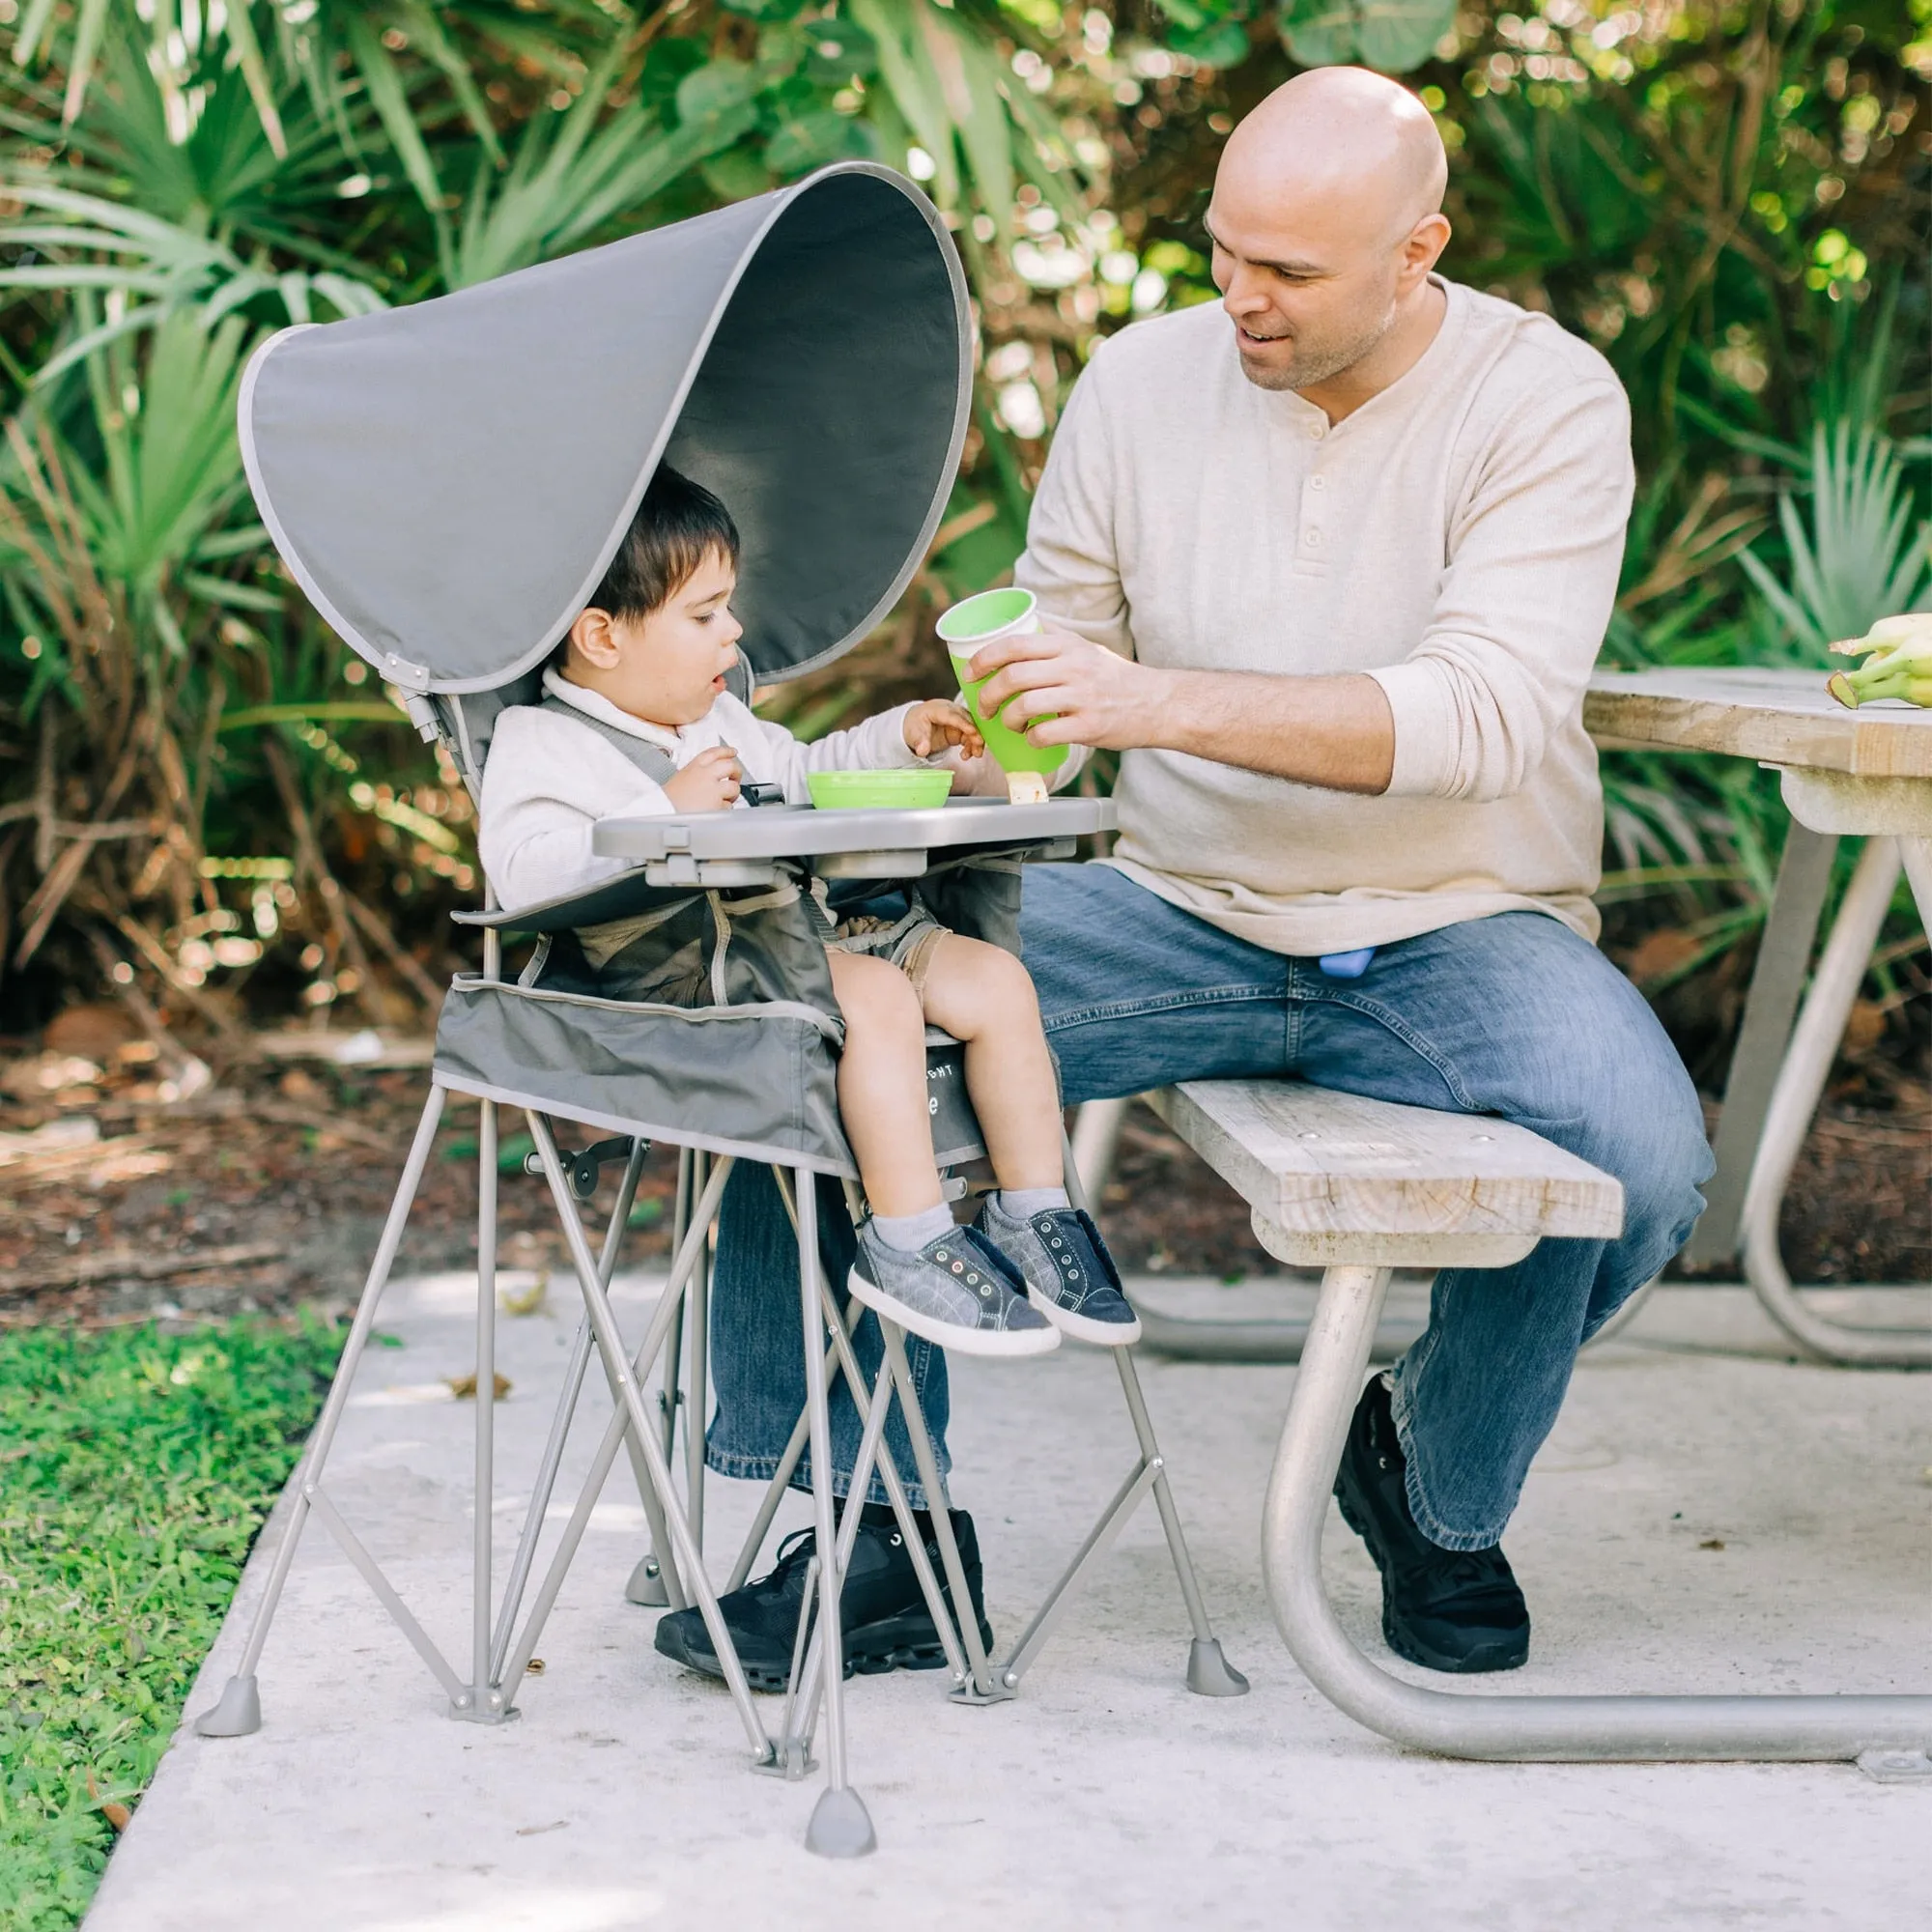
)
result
[(1210, 1674), (696, 1377), (565, 1413), (238, 1712), (618, 1366), (840, 1827), (645, 1586)]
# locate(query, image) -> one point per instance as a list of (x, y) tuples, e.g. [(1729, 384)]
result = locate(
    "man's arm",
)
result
[(1335, 731), (1518, 624)]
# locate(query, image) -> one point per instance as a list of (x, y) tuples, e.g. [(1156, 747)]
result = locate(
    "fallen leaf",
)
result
[(464, 1386), (534, 1668), (537, 1830), (112, 1810), (1712, 1542), (531, 1299)]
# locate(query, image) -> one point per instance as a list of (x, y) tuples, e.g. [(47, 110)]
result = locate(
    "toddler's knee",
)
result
[(1006, 985), (875, 992)]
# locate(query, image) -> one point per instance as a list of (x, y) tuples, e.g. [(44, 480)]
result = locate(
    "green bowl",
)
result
[(906, 789)]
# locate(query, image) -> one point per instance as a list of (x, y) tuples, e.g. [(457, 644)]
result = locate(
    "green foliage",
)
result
[(135, 1469), (1861, 551), (1396, 36), (1728, 202)]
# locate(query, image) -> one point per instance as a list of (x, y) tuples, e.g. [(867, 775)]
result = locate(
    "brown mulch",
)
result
[(268, 1191)]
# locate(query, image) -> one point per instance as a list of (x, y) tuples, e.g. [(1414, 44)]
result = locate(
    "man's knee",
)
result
[(1644, 1126)]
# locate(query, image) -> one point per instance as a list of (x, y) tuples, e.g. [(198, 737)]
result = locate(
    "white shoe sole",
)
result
[(1083, 1327), (999, 1342)]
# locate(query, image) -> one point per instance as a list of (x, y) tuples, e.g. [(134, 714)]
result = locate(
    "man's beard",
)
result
[(1316, 363)]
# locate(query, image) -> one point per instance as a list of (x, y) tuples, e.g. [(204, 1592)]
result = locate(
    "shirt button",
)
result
[(1313, 539), (1317, 482), (1318, 430)]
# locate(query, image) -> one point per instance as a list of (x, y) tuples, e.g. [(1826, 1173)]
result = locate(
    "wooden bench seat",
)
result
[(1334, 1178)]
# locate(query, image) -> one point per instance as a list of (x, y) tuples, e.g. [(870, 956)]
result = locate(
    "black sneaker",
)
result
[(883, 1619), (1446, 1609)]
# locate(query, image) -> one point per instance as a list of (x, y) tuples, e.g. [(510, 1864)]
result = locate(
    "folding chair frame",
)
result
[(501, 1655)]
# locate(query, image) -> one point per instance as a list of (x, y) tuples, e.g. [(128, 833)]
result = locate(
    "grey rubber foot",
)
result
[(647, 1585), (237, 1713), (1210, 1674), (840, 1827), (1896, 1767)]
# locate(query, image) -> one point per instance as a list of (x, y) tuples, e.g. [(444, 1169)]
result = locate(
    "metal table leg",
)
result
[(1527, 1728), (1793, 1100), (1777, 979)]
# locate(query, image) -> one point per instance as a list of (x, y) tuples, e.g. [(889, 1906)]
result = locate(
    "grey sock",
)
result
[(1022, 1203), (910, 1233)]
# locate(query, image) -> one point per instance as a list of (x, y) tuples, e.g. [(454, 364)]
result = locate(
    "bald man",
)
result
[(1328, 564)]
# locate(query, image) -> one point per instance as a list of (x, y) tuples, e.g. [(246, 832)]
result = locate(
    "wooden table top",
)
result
[(1784, 717)]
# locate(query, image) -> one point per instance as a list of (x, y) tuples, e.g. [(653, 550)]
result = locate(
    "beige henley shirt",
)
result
[(1457, 538)]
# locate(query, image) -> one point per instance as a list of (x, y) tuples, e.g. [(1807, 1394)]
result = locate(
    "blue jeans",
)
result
[(1511, 1016)]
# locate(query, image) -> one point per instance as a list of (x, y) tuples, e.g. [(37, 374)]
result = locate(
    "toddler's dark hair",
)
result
[(677, 524)]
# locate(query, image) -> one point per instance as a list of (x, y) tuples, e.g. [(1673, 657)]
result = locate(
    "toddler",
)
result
[(646, 663)]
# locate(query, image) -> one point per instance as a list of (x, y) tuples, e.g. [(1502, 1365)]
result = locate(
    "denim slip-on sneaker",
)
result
[(883, 1621), (1446, 1609), (956, 1291), (1070, 1277)]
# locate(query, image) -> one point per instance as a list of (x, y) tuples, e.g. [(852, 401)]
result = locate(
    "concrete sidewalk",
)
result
[(1697, 1522)]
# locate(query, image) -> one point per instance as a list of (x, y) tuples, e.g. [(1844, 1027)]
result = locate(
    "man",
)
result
[(1328, 565)]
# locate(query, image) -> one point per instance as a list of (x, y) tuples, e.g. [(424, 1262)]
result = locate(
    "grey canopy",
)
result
[(448, 481)]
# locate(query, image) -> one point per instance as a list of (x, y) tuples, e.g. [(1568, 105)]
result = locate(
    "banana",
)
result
[(1898, 662)]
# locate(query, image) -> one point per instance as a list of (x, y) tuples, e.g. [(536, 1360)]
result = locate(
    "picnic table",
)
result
[(1861, 774), (1358, 1187)]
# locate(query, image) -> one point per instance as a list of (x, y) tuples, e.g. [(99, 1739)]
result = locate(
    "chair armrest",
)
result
[(622, 897)]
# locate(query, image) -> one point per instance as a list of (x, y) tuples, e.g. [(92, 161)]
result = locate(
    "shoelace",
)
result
[(794, 1552), (1476, 1577)]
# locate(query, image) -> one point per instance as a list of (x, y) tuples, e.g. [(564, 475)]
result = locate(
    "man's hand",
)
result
[(710, 782), (1083, 693), (1335, 731), (942, 725)]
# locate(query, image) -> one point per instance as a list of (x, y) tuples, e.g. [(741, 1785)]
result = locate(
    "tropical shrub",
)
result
[(208, 803)]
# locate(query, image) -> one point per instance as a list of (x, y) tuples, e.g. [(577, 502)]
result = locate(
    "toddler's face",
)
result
[(671, 666)]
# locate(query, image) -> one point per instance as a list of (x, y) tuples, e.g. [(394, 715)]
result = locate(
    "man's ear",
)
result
[(1422, 250), (594, 641)]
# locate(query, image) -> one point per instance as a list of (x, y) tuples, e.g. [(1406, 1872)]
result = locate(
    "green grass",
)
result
[(135, 1469)]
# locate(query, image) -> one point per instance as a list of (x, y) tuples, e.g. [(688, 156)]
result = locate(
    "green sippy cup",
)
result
[(963, 629)]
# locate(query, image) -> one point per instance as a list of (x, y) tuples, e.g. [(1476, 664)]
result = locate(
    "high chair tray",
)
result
[(801, 832), (743, 848)]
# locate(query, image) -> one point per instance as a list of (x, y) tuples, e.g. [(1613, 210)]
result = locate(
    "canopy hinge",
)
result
[(403, 674)]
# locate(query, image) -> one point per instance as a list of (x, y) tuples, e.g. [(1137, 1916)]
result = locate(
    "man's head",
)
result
[(658, 634), (1325, 220)]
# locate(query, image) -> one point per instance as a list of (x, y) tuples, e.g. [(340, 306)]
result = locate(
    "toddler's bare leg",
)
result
[(882, 1084), (983, 995)]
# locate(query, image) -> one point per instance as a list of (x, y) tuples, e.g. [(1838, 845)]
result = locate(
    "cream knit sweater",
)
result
[(1457, 538)]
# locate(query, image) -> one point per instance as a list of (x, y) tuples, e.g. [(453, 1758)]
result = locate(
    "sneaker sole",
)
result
[(1084, 1327), (899, 1643), (997, 1342)]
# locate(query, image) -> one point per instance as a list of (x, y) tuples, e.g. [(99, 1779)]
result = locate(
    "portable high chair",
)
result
[(447, 483)]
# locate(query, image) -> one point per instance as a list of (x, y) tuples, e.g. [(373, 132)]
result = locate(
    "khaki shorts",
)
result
[(910, 943)]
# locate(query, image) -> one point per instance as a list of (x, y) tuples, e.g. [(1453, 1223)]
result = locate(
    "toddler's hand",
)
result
[(940, 723), (709, 783)]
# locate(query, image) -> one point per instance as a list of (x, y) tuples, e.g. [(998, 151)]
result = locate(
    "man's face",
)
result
[(1310, 294)]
